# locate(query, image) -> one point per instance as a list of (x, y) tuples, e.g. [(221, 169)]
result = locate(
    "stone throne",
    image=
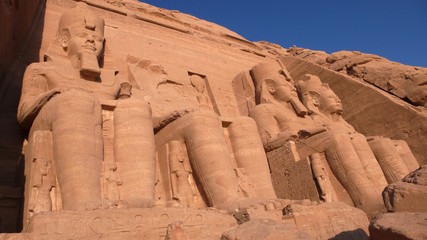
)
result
[(312, 177)]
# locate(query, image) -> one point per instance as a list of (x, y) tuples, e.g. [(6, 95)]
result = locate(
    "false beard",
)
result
[(89, 66)]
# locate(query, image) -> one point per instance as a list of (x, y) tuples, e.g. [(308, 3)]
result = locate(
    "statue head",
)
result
[(271, 84), (318, 96), (81, 30), (81, 35)]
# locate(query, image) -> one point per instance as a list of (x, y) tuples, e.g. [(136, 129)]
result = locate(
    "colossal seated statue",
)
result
[(394, 156), (62, 97), (65, 98), (203, 159), (281, 117)]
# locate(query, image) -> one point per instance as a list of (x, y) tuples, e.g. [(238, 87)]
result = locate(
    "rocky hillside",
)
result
[(406, 82)]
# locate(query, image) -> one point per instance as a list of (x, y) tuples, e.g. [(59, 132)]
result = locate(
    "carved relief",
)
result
[(180, 172)]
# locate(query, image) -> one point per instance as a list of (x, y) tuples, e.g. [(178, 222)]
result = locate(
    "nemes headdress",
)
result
[(307, 85), (81, 17), (262, 72)]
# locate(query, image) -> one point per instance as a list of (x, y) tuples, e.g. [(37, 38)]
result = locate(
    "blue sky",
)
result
[(394, 29)]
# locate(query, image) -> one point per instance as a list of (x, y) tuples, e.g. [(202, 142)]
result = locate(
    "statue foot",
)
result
[(175, 231)]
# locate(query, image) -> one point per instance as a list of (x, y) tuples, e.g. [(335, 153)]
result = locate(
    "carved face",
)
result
[(283, 90), (85, 40), (327, 101)]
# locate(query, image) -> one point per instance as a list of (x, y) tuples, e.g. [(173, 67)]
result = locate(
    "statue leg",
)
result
[(134, 151), (250, 155), (406, 155), (389, 159), (74, 117), (346, 166), (369, 162), (210, 158)]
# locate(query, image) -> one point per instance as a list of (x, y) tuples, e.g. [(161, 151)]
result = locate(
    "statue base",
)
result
[(132, 223), (320, 221)]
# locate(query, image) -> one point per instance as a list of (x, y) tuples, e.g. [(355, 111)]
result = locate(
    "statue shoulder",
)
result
[(263, 109), (39, 68)]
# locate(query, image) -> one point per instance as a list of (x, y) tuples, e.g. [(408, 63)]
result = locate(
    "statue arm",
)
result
[(268, 127), (34, 95)]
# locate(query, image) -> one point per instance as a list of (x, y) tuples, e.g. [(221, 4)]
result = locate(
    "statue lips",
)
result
[(89, 47)]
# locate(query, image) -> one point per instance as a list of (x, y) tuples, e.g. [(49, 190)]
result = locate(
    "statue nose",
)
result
[(90, 38)]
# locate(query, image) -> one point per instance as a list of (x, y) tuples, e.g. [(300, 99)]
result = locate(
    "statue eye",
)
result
[(82, 35)]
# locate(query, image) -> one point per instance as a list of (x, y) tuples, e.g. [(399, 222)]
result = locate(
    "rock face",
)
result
[(408, 195), (399, 226), (406, 82), (142, 122)]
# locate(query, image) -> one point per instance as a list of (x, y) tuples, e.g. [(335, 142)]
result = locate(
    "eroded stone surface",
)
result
[(408, 195), (265, 229), (399, 226)]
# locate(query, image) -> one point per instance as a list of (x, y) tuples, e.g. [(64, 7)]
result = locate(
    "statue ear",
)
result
[(311, 102), (315, 101), (269, 84), (63, 38)]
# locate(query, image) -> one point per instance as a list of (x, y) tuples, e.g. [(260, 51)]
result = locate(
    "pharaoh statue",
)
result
[(204, 159), (326, 110), (63, 95), (281, 117), (201, 133)]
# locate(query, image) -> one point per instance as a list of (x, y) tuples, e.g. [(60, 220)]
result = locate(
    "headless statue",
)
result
[(180, 171), (64, 95), (281, 117)]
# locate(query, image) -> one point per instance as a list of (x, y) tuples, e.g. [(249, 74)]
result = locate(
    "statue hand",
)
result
[(280, 140), (306, 133)]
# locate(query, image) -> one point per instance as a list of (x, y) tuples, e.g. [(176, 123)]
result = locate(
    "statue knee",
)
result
[(246, 122), (129, 109), (75, 108), (203, 119), (134, 103), (75, 104), (339, 137)]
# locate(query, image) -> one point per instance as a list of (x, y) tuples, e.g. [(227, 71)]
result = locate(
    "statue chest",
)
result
[(105, 87)]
